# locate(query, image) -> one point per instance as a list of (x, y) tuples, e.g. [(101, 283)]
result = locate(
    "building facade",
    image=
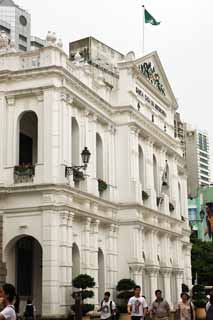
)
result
[(200, 213), (197, 159), (15, 22), (127, 217)]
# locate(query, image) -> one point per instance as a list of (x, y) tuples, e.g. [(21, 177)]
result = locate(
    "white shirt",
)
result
[(105, 309), (9, 313), (137, 306)]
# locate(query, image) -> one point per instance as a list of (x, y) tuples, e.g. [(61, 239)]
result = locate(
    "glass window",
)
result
[(192, 214)]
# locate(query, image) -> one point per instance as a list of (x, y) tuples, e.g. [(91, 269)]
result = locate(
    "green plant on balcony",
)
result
[(145, 195), (102, 185), (24, 169)]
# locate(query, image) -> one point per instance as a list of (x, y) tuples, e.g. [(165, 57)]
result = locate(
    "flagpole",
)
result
[(143, 17)]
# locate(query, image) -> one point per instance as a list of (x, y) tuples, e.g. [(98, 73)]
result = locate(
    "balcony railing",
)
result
[(24, 173)]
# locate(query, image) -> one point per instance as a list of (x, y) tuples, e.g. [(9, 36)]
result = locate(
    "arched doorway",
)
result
[(23, 257), (101, 275), (75, 261)]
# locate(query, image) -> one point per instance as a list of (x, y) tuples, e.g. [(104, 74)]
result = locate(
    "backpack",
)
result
[(29, 311)]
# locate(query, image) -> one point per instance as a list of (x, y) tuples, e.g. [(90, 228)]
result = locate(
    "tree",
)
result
[(125, 288), (202, 261), (83, 282), (199, 296)]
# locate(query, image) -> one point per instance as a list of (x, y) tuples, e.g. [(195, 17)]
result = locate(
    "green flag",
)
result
[(149, 18)]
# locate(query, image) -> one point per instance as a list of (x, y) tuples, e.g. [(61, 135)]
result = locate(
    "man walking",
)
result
[(108, 308), (160, 308), (137, 306)]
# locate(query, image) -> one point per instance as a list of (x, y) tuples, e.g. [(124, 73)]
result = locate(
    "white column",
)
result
[(94, 230), (111, 257), (166, 273), (69, 255), (63, 257), (50, 276), (86, 246), (153, 278), (2, 132), (91, 184), (148, 154), (174, 188), (134, 156), (179, 282)]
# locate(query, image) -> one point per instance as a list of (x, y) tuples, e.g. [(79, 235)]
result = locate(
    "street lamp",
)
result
[(85, 156)]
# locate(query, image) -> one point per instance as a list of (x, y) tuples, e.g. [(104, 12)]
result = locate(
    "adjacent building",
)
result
[(126, 215), (201, 212), (16, 23), (197, 159)]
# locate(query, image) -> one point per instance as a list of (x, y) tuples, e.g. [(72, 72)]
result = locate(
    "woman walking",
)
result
[(209, 309), (185, 310), (7, 297)]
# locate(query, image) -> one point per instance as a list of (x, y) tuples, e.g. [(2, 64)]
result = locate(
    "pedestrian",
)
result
[(29, 310), (208, 302), (7, 297), (137, 306), (160, 308), (209, 309), (108, 307), (17, 307), (185, 309)]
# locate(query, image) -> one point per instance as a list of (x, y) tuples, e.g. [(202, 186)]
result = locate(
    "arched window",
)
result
[(99, 157), (180, 199), (155, 174), (141, 166), (101, 274), (28, 138), (75, 142), (75, 261)]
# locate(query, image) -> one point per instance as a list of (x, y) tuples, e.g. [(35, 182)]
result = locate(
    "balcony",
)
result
[(24, 173)]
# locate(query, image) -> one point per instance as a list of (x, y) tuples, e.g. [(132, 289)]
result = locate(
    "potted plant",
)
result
[(24, 169), (102, 185), (83, 282), (145, 195), (125, 289), (199, 301)]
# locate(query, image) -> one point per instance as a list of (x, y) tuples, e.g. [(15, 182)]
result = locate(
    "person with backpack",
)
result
[(108, 307), (209, 309), (29, 310)]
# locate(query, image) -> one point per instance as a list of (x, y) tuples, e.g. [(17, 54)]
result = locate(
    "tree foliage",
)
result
[(202, 261), (83, 281)]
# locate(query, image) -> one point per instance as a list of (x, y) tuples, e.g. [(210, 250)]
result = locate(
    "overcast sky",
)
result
[(184, 40)]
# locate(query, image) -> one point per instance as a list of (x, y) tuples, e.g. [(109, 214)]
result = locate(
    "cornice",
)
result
[(150, 130)]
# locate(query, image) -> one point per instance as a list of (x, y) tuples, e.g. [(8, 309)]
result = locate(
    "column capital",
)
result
[(136, 266), (165, 271), (178, 271), (152, 270)]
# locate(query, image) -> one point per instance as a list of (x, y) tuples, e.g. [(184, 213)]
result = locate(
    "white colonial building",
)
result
[(56, 226)]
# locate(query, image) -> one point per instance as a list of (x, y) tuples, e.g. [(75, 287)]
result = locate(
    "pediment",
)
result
[(152, 70)]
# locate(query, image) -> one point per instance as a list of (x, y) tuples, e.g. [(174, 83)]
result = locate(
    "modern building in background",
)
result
[(16, 23), (197, 159), (201, 213), (126, 216)]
